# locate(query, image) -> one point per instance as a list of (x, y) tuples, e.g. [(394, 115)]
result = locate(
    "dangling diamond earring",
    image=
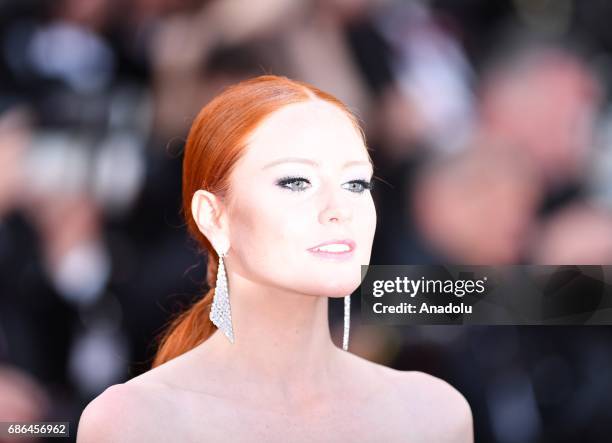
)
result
[(220, 312), (347, 321)]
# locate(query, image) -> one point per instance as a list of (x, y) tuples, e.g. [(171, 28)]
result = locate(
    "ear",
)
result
[(210, 216)]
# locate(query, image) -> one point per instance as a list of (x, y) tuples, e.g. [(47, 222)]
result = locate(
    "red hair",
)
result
[(215, 142)]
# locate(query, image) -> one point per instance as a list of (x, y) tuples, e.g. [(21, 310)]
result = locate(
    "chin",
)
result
[(336, 289)]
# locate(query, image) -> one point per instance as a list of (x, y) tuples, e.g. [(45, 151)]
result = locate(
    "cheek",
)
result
[(372, 218), (365, 220), (269, 234)]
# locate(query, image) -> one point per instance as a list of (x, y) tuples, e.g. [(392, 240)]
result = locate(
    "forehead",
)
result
[(315, 129)]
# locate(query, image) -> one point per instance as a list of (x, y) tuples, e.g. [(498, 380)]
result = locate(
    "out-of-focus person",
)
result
[(475, 207), (580, 234), (542, 103), (21, 397)]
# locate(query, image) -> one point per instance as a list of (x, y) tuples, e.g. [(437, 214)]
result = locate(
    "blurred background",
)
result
[(490, 127)]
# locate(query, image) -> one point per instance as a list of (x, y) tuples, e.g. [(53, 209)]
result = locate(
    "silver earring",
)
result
[(220, 312), (347, 321)]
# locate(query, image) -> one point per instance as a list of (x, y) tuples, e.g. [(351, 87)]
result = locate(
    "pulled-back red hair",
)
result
[(215, 142)]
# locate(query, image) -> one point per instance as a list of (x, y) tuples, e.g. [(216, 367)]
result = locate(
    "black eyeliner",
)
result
[(281, 182), (290, 179)]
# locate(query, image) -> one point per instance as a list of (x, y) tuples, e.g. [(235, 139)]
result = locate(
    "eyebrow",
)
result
[(312, 162)]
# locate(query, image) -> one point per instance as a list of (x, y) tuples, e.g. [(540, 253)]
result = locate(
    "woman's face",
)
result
[(302, 182)]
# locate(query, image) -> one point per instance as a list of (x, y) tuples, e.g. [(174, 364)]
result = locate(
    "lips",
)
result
[(334, 248)]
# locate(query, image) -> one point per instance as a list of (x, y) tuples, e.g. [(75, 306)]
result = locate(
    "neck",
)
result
[(281, 340)]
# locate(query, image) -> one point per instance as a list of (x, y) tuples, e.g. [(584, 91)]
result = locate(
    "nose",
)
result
[(336, 211)]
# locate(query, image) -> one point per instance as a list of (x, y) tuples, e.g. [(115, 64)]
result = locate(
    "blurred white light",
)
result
[(98, 359), (81, 58), (119, 171), (57, 163), (82, 273)]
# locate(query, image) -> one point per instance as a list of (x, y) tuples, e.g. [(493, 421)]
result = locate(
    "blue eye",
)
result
[(299, 184), (293, 183), (358, 186)]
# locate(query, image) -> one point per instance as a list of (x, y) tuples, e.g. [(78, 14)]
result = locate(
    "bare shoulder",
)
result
[(422, 407), (439, 404), (122, 413), (149, 407)]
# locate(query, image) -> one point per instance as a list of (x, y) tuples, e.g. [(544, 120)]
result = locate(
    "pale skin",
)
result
[(284, 379)]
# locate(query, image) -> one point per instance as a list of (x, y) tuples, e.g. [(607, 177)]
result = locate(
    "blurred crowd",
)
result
[(489, 124)]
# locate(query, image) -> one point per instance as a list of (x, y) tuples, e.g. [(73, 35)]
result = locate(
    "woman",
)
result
[(276, 189)]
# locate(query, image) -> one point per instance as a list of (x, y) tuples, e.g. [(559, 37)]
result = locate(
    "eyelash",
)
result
[(367, 185)]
